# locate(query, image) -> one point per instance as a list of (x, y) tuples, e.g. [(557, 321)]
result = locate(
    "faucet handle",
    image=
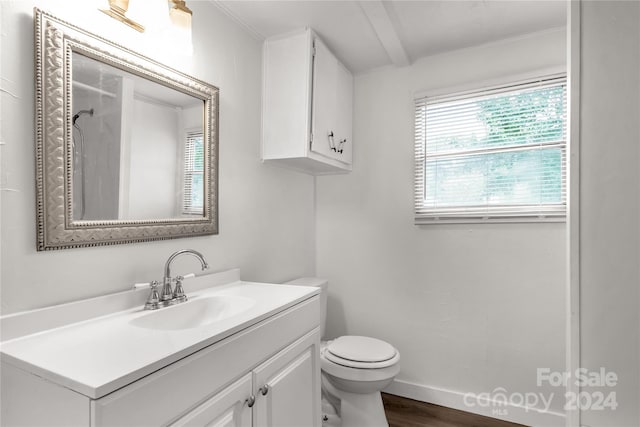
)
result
[(137, 286), (178, 291), (153, 301)]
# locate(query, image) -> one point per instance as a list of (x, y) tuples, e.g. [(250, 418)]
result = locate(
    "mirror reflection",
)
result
[(137, 146)]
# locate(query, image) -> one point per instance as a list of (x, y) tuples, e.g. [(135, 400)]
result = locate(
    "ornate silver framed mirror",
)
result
[(126, 148)]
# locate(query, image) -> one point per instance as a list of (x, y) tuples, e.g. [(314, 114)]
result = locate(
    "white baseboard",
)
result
[(456, 400)]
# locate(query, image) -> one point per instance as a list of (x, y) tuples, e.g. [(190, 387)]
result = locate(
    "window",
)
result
[(497, 154), (193, 184)]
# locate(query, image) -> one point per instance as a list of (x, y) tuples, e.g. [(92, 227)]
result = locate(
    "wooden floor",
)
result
[(402, 412)]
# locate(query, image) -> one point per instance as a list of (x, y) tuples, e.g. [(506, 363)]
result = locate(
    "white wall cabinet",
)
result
[(265, 375), (307, 106)]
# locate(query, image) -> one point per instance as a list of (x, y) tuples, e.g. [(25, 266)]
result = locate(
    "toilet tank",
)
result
[(323, 284)]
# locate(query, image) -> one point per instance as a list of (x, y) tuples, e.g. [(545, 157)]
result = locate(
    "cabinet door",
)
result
[(229, 408), (344, 113), (286, 96), (287, 386), (325, 80)]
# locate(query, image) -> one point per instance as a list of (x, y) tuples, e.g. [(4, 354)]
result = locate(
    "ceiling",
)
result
[(366, 35)]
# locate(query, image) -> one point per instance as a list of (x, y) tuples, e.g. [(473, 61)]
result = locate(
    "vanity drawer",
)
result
[(167, 394)]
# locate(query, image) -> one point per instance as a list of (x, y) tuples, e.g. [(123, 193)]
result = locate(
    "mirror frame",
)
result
[(55, 40)]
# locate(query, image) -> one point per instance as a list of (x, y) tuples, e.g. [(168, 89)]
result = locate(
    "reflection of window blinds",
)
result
[(193, 190), (495, 153)]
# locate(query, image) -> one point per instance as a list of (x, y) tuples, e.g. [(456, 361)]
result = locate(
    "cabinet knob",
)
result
[(251, 400), (264, 389)]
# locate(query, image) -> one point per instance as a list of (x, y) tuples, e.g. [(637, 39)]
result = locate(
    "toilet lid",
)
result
[(361, 349)]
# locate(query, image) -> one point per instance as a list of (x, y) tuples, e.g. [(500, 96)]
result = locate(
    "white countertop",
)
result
[(97, 356)]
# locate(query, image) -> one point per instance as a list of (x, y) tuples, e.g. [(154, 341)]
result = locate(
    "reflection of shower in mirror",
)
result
[(131, 158), (78, 155), (80, 113)]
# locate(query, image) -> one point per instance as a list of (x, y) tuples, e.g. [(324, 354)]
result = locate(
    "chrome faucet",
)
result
[(173, 296)]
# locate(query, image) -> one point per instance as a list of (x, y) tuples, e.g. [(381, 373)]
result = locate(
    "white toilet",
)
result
[(354, 370)]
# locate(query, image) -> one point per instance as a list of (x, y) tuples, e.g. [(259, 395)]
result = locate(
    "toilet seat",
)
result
[(350, 373), (361, 352)]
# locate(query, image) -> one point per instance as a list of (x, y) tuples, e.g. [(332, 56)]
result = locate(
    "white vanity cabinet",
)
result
[(284, 397), (228, 408), (279, 392), (266, 374), (307, 105)]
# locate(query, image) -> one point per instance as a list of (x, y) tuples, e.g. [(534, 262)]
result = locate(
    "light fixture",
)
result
[(152, 14), (118, 9), (180, 16), (168, 20)]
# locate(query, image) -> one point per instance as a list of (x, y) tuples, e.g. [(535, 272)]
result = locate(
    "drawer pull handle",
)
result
[(264, 389), (250, 401), (332, 144)]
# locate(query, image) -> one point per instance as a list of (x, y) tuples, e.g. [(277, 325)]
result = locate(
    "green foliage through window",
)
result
[(501, 151)]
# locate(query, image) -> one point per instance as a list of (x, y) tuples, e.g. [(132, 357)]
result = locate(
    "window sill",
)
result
[(432, 220)]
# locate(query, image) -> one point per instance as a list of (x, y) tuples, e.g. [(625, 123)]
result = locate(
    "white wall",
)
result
[(192, 117), (470, 307), (609, 204), (266, 214), (155, 161)]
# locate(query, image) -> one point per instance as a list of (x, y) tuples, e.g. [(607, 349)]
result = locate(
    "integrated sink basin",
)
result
[(194, 313)]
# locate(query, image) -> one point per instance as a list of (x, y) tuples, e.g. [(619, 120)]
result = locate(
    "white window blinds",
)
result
[(498, 153), (193, 183)]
